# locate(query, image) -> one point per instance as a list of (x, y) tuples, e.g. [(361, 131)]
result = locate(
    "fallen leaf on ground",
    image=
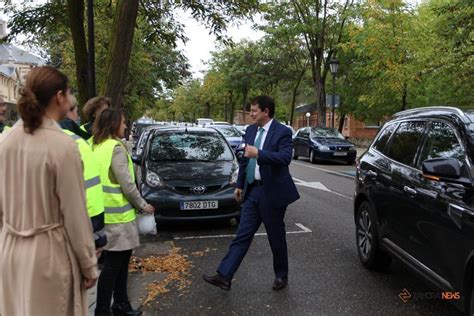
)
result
[(174, 264)]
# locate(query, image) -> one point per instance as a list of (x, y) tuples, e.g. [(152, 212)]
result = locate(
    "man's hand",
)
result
[(238, 195), (149, 209), (98, 252), (89, 283), (251, 151)]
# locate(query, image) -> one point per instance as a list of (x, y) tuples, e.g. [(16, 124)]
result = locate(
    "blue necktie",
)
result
[(250, 171)]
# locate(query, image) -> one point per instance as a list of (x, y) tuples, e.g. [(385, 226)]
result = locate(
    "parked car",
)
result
[(137, 129), (204, 121), (231, 134), (241, 128), (414, 199), (318, 143), (220, 123), (188, 174)]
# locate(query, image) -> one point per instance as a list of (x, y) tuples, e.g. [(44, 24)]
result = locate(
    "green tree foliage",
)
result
[(157, 20), (318, 25)]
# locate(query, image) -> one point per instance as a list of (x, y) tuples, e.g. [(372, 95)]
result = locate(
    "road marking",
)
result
[(305, 230), (319, 186), (325, 170)]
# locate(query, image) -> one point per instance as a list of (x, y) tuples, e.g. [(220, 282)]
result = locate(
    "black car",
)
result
[(414, 199), (137, 129), (188, 173), (231, 134), (323, 144)]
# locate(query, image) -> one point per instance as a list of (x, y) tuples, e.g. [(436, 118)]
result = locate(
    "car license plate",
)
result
[(199, 205), (340, 153)]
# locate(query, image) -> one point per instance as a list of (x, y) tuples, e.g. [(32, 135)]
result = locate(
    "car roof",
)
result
[(466, 116), (184, 128)]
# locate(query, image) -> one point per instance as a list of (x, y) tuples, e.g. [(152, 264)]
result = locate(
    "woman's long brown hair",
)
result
[(107, 125), (42, 84)]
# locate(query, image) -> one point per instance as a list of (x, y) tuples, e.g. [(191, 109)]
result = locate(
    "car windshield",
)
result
[(189, 146), (228, 131), (326, 133)]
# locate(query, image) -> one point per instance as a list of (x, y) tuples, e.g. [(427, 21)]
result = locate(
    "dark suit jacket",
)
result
[(273, 159)]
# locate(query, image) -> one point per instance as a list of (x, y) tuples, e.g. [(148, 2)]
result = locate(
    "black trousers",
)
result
[(113, 280)]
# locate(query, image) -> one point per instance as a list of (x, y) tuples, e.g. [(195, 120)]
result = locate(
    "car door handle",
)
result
[(409, 190), (372, 174)]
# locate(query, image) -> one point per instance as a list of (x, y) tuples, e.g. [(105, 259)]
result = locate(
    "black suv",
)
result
[(414, 199)]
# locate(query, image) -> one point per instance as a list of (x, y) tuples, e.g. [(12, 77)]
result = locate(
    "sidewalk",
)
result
[(360, 151), (150, 246)]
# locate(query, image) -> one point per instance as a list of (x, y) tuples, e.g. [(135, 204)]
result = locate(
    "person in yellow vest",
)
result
[(3, 112), (92, 185), (121, 200), (92, 110)]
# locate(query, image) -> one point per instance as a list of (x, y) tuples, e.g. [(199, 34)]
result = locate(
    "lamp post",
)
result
[(333, 66), (307, 118)]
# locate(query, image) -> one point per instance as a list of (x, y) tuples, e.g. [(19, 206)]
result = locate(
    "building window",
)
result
[(370, 123)]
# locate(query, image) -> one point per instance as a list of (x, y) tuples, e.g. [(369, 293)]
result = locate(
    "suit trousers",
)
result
[(254, 212), (113, 280)]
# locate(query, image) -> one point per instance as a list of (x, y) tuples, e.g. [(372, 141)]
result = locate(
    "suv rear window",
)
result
[(404, 143)]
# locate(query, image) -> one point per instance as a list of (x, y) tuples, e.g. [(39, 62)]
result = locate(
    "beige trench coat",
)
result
[(46, 243)]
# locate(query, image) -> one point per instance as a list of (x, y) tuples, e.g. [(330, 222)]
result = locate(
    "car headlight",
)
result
[(324, 148), (153, 180), (234, 176)]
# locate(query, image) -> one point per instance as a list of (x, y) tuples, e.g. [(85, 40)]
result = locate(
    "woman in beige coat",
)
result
[(47, 253)]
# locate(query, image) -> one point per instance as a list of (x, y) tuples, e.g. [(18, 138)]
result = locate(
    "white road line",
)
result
[(305, 230), (319, 186), (322, 169)]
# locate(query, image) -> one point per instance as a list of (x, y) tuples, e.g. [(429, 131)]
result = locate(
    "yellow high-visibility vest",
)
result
[(92, 184), (5, 128), (117, 208)]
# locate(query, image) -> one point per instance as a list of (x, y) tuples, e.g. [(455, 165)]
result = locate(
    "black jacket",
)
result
[(73, 127)]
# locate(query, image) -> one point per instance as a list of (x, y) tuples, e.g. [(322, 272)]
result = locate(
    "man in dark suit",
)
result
[(266, 188)]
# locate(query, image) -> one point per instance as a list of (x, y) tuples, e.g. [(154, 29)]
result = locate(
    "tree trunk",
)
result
[(320, 100), (75, 11), (244, 103), (207, 110), (341, 122), (295, 92), (404, 96), (120, 50)]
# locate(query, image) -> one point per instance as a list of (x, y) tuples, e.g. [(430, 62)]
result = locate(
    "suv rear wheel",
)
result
[(367, 239), (312, 159), (293, 154)]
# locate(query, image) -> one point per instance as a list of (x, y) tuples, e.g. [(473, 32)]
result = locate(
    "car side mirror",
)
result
[(137, 159), (448, 168)]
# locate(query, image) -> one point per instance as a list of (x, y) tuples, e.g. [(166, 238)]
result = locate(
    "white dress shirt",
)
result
[(266, 127)]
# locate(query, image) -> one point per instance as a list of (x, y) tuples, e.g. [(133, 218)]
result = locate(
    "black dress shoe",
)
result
[(124, 309), (280, 283), (217, 280)]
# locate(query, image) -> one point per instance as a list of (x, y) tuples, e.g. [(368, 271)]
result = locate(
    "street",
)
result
[(325, 274)]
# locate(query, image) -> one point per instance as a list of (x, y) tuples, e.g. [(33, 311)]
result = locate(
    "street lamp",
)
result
[(333, 66), (307, 118)]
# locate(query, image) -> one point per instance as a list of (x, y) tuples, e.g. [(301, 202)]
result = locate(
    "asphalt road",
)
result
[(325, 275)]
